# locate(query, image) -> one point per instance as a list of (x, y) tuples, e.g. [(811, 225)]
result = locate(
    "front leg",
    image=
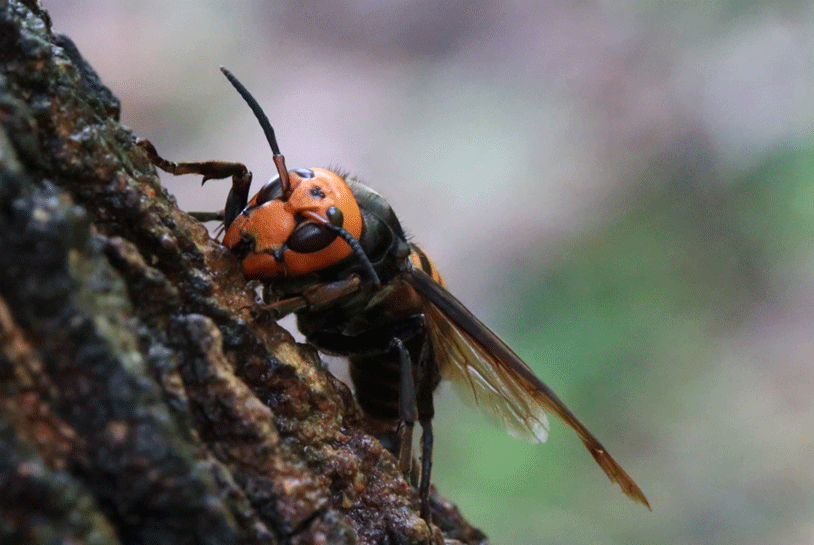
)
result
[(312, 298), (210, 170)]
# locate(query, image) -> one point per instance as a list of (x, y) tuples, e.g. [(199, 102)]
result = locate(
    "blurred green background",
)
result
[(623, 190)]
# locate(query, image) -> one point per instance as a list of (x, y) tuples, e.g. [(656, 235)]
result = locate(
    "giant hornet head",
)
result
[(299, 222), (295, 231)]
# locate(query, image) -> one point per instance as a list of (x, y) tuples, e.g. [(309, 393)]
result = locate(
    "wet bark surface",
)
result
[(139, 401)]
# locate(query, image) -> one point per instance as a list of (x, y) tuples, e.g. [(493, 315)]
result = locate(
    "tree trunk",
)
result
[(139, 400)]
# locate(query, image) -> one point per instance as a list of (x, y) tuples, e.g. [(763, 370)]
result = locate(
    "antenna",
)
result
[(268, 130)]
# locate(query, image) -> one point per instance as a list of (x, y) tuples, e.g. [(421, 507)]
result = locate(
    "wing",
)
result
[(484, 369)]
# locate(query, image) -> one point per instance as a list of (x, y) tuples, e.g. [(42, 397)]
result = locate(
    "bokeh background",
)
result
[(622, 189)]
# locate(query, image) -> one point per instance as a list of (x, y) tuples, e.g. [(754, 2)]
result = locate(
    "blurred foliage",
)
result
[(627, 315), (684, 259)]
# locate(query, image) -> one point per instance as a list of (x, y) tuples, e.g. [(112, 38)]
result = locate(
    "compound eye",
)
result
[(269, 191), (304, 173), (310, 237)]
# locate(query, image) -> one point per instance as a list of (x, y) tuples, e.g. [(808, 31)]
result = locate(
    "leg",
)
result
[(408, 412), (428, 379), (415, 402), (241, 177), (426, 468), (312, 297)]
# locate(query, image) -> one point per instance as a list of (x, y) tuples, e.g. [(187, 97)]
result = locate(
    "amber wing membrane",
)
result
[(485, 370), (482, 383)]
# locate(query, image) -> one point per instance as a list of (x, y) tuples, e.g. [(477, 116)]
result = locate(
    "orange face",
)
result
[(270, 225)]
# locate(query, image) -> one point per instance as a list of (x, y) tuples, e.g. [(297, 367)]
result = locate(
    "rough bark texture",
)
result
[(139, 402)]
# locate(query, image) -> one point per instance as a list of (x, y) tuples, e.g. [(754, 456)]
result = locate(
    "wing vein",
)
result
[(488, 373)]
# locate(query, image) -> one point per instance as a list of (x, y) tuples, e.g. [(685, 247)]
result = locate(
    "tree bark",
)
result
[(139, 401)]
